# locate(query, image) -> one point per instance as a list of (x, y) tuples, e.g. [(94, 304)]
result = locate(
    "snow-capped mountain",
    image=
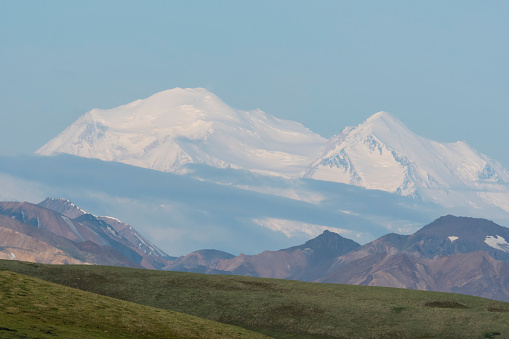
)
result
[(382, 153), (173, 129), (181, 126)]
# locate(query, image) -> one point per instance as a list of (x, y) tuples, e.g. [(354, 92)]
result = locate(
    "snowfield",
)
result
[(497, 242)]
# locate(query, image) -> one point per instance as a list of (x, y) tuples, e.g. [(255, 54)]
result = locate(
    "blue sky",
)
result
[(439, 66)]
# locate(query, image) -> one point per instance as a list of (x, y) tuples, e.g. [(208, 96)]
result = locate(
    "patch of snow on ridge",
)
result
[(497, 242), (140, 239), (452, 238), (112, 218)]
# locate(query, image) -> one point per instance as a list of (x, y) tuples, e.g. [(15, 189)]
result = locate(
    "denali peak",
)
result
[(181, 126)]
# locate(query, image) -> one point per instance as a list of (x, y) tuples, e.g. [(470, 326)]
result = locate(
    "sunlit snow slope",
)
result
[(382, 153), (180, 126)]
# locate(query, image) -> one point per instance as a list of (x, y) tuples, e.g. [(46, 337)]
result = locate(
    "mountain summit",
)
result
[(382, 153), (182, 126)]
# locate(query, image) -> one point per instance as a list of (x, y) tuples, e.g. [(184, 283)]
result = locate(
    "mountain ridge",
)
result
[(451, 254), (86, 237), (430, 259)]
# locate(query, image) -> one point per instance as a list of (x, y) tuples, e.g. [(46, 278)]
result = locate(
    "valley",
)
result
[(33, 308)]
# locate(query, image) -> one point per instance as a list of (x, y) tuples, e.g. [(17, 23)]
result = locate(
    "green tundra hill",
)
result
[(34, 308), (282, 308)]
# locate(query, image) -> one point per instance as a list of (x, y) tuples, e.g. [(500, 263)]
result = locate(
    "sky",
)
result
[(441, 67)]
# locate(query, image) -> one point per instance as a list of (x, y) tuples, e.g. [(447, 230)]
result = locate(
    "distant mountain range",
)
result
[(70, 236), (176, 128), (452, 254)]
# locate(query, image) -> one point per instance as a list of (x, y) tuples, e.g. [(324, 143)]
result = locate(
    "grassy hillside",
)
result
[(33, 308), (290, 309)]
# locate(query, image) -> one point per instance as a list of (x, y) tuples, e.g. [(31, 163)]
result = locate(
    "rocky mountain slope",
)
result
[(123, 230), (19, 241), (35, 233)]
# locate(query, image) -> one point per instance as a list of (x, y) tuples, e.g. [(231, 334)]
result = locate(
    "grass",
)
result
[(290, 309), (33, 308)]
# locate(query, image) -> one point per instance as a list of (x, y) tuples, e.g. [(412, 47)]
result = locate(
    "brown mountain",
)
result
[(152, 256), (452, 254), (87, 234), (202, 261), (474, 273), (447, 236), (305, 262), (48, 220), (25, 242)]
